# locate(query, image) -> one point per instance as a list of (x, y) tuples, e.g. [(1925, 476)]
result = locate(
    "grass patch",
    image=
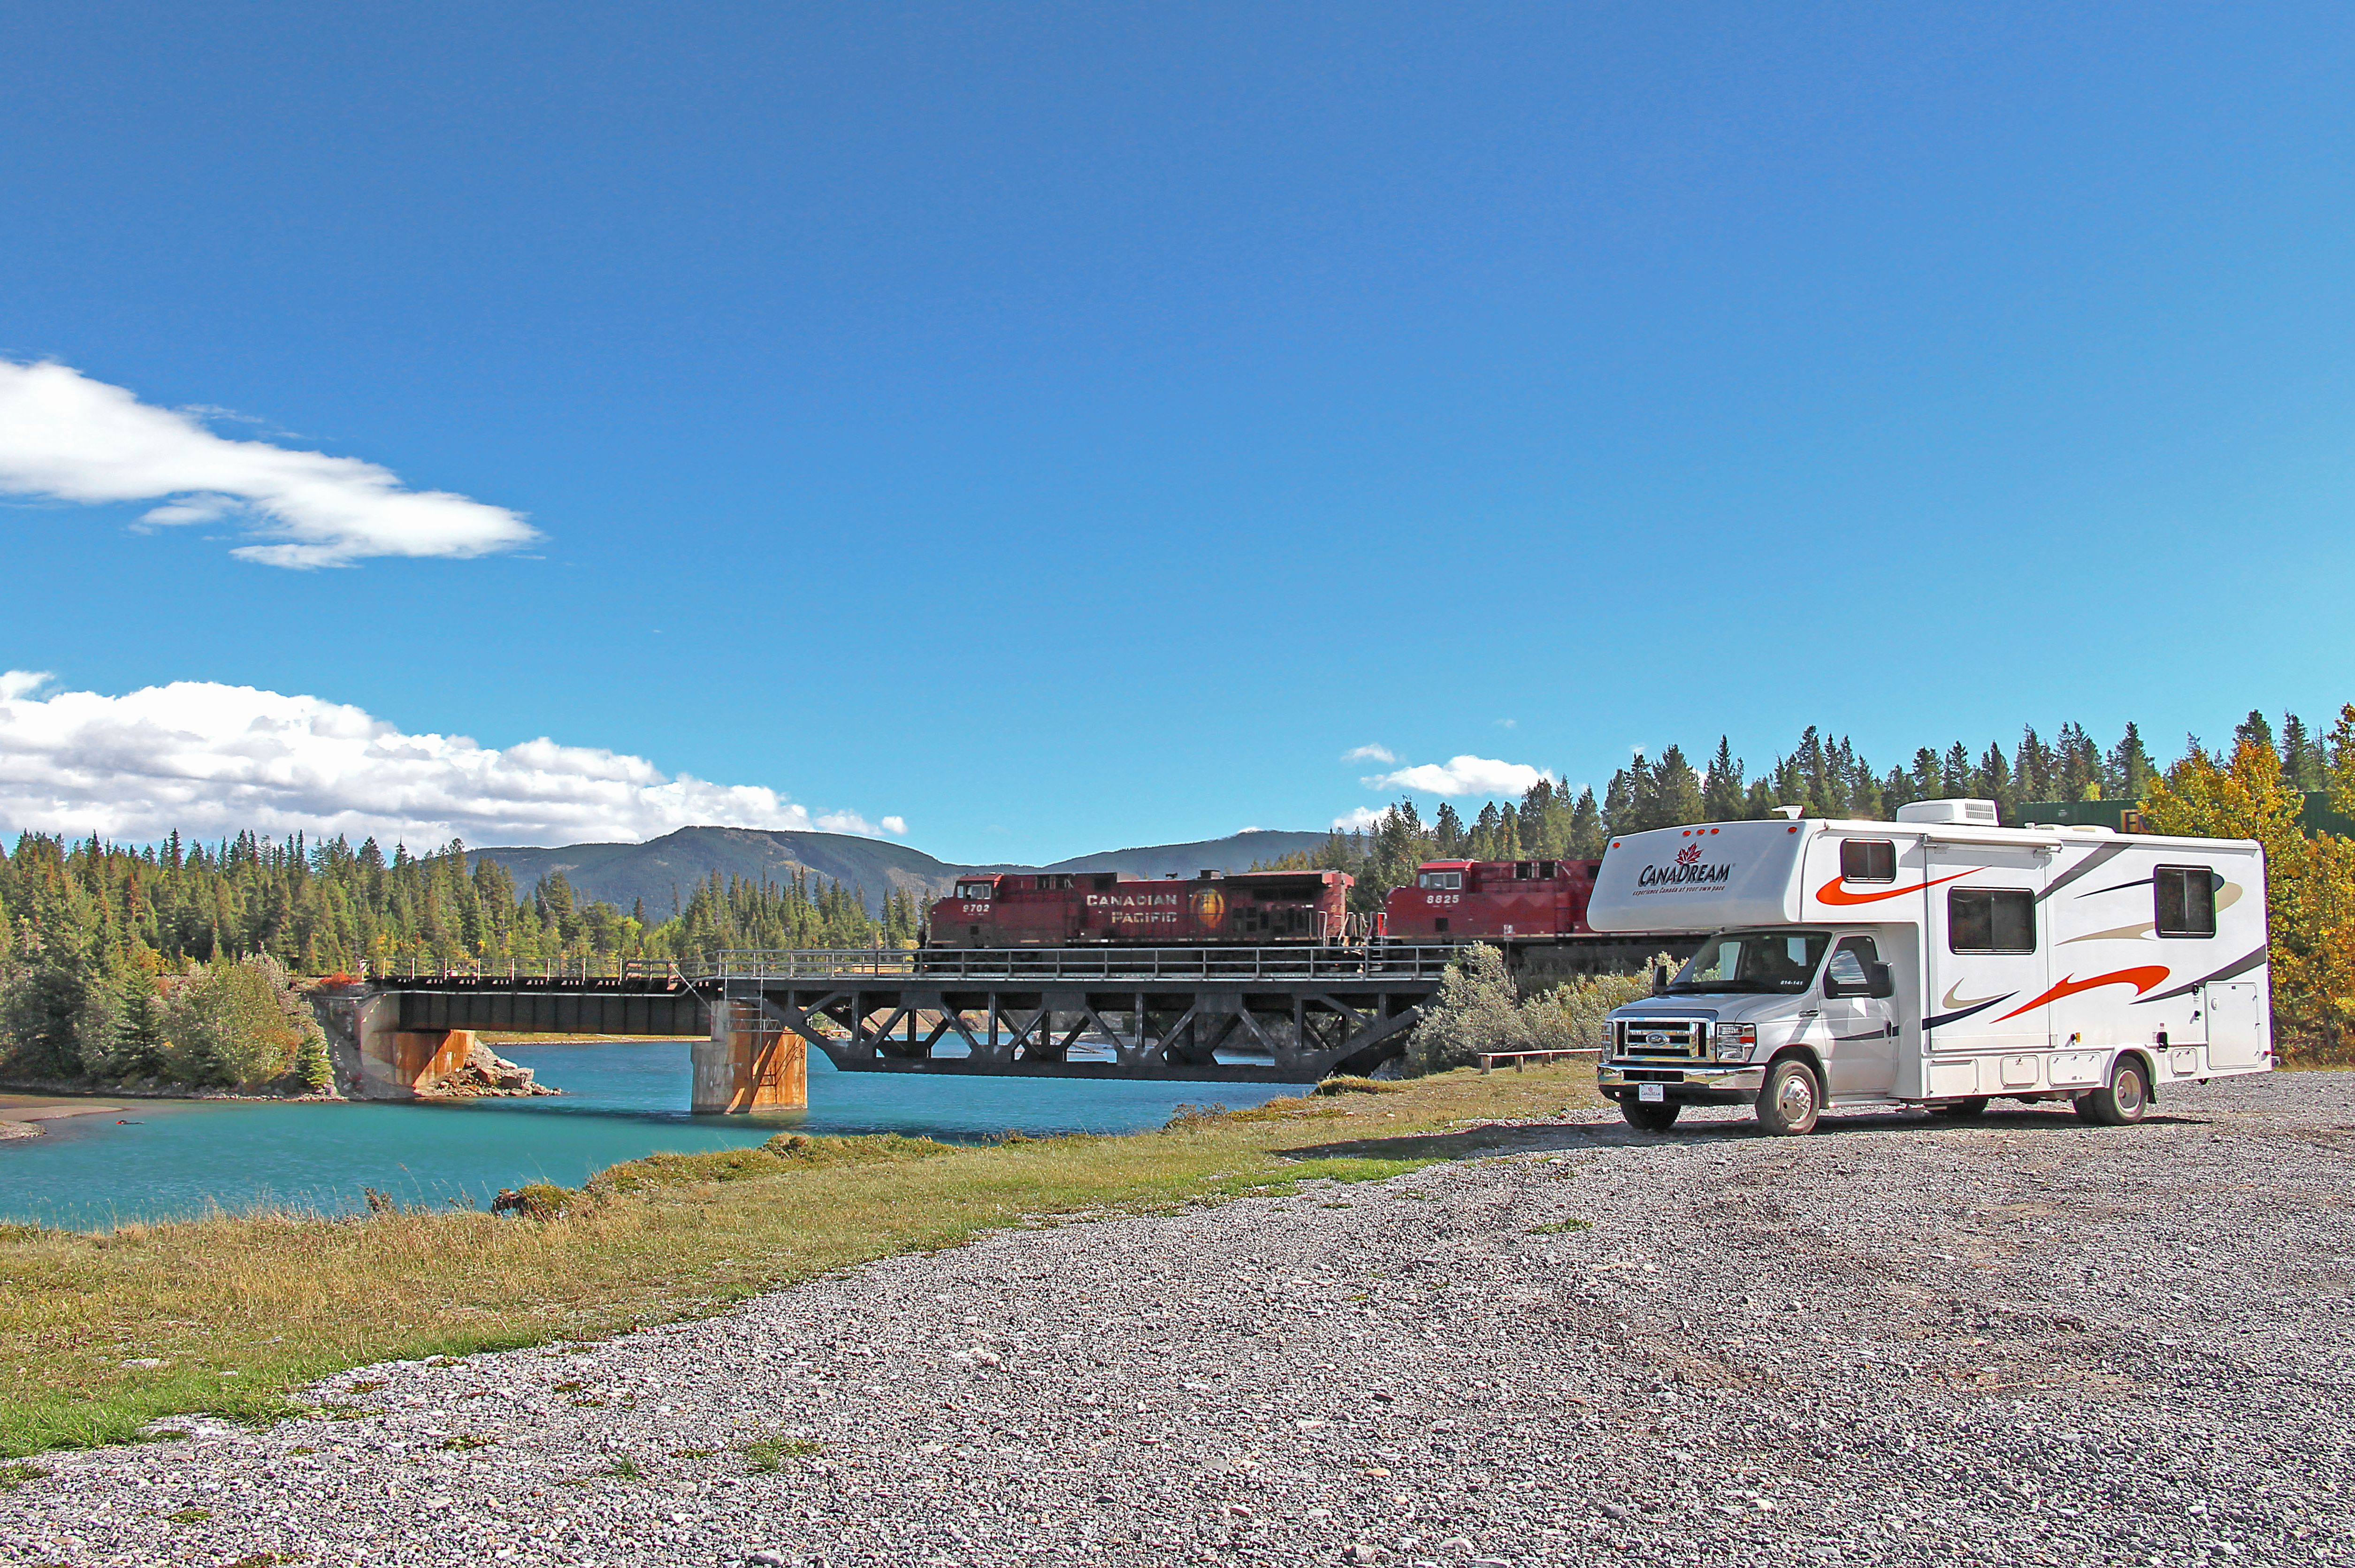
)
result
[(464, 1441), (285, 1299), (190, 1516), (15, 1475), (1561, 1228), (767, 1456), (1348, 1085)]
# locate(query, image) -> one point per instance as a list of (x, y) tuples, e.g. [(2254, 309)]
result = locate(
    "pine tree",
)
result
[(1721, 796), (2302, 762), (2129, 772), (1676, 791)]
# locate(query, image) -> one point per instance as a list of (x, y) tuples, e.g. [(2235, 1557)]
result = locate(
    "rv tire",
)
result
[(1960, 1110), (2123, 1100), (1791, 1098), (1654, 1116)]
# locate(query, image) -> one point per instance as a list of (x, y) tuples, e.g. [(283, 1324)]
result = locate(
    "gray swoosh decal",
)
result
[(2115, 933), (2100, 857), (1966, 1012), (2117, 887), (2242, 966)]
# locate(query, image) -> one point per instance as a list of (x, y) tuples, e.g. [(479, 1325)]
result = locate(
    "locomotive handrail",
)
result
[(1106, 963)]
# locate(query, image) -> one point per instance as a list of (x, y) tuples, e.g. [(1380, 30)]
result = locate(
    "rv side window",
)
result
[(2186, 895), (1991, 920), (1868, 860)]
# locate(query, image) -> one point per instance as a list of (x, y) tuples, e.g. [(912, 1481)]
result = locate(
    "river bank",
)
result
[(101, 1334), (24, 1115)]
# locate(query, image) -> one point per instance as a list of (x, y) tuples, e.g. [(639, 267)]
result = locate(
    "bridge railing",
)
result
[(1193, 965), (582, 971)]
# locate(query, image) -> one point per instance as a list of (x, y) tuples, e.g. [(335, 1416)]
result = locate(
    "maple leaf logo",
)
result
[(1688, 856)]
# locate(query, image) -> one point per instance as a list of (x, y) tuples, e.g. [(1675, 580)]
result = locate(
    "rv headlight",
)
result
[(1736, 1041)]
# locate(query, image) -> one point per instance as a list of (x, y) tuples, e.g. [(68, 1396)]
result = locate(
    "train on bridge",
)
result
[(1535, 909)]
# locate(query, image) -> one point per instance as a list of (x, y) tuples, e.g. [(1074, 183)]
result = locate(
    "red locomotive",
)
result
[(1470, 900), (1064, 909)]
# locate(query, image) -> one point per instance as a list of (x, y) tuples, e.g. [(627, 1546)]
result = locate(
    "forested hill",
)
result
[(1237, 852), (663, 873)]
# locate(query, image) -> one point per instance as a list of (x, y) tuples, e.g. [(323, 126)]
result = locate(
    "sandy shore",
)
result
[(21, 1116)]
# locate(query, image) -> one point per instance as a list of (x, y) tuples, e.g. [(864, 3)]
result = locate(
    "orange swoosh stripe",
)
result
[(2142, 980), (1833, 893)]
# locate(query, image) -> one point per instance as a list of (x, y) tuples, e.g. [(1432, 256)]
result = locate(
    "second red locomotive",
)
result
[(1468, 900), (1067, 909)]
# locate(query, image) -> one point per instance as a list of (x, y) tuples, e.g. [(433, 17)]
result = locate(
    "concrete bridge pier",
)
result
[(376, 1058), (750, 1063)]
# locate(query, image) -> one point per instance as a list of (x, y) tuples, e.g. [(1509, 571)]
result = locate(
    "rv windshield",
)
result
[(1758, 961)]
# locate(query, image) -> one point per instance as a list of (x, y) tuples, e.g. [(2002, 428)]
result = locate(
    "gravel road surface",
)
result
[(2026, 1340)]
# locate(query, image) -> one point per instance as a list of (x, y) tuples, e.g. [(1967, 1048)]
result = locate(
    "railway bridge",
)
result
[(1291, 1015)]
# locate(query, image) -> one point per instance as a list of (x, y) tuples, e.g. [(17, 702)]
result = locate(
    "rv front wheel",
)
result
[(1791, 1099), (2122, 1101), (1653, 1117)]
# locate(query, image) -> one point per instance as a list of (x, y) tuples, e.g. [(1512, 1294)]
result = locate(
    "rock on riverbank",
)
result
[(485, 1072), (2024, 1339)]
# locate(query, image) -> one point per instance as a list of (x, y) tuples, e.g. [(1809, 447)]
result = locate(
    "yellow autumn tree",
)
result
[(2309, 881)]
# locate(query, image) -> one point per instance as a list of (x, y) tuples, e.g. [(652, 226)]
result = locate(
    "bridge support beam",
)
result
[(748, 1063)]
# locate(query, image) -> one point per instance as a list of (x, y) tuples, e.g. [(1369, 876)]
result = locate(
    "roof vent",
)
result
[(1972, 813), (1210, 870)]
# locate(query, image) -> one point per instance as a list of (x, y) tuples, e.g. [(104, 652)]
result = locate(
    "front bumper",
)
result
[(1683, 1083)]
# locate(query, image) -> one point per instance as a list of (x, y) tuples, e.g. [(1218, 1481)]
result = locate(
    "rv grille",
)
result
[(1684, 1037)]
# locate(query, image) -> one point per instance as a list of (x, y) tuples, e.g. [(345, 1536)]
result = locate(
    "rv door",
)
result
[(2237, 1034), (1987, 953)]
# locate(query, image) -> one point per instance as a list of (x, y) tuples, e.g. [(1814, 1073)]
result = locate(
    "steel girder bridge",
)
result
[(1236, 1015), (1291, 1015)]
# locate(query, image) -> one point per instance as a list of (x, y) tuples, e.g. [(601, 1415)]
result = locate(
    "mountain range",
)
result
[(662, 873)]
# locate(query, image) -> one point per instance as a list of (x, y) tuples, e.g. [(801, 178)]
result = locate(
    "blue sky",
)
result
[(1059, 426)]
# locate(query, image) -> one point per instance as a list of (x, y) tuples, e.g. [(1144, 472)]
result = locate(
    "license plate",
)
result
[(1651, 1091)]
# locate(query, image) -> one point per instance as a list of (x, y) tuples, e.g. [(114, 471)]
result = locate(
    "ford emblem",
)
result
[(1655, 1039)]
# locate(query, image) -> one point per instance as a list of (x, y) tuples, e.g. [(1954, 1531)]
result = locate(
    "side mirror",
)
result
[(1878, 982), (1659, 979)]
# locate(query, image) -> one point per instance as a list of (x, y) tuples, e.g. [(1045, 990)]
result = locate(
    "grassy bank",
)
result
[(100, 1335)]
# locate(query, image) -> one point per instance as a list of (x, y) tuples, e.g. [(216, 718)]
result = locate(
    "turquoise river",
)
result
[(173, 1158)]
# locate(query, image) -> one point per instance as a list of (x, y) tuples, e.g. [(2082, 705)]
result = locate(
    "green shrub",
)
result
[(239, 1023), (1478, 1011)]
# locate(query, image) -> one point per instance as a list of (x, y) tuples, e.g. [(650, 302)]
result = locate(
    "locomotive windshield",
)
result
[(1444, 881), (972, 890), (1753, 961)]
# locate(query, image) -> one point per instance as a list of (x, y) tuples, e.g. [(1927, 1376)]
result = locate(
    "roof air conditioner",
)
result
[(1971, 813)]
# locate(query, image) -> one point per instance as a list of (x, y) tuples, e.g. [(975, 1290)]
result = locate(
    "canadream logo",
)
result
[(1690, 871)]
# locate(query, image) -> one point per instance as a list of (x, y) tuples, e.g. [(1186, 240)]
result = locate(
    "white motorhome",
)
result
[(1939, 961)]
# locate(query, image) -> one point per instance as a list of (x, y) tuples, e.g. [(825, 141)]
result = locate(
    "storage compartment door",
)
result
[(2236, 1031)]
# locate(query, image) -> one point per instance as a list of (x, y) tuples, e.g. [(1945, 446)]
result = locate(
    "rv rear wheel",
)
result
[(1791, 1098), (1961, 1110), (2120, 1102), (1654, 1116)]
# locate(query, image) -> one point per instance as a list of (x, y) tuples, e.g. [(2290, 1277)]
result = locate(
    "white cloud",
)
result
[(1370, 753), (1509, 723), (210, 760), (65, 437), (897, 825), (1357, 819), (1463, 776)]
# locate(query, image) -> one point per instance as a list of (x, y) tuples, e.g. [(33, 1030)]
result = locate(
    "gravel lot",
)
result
[(2022, 1341)]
